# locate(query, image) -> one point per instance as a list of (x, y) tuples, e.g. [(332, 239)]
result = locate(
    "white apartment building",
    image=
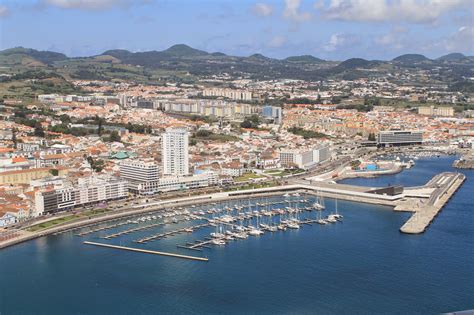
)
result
[(303, 158), (238, 95), (173, 183), (142, 175), (87, 191), (444, 111), (175, 152), (216, 108)]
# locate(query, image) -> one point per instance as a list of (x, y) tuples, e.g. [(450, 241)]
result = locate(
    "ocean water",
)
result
[(363, 265)]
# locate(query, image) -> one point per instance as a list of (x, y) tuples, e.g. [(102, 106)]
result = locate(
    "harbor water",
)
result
[(362, 265)]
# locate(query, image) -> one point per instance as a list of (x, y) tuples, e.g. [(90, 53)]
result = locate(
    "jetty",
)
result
[(139, 250), (108, 227), (445, 189), (170, 233)]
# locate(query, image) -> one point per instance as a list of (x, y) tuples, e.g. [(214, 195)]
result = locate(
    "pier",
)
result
[(140, 228), (421, 219), (147, 251), (170, 233), (102, 228)]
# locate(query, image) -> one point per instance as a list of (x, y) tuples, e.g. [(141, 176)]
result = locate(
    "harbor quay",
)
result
[(420, 220), (424, 201)]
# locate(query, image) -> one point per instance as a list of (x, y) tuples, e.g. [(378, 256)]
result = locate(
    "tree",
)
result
[(54, 172), (203, 133), (39, 131), (371, 137), (246, 124), (115, 137), (99, 128), (15, 142), (97, 166)]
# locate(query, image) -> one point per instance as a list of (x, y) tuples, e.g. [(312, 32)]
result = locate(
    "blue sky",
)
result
[(329, 29)]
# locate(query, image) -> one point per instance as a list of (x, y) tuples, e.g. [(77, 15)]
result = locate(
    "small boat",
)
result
[(272, 228), (217, 235), (218, 242), (255, 232), (240, 235), (293, 225)]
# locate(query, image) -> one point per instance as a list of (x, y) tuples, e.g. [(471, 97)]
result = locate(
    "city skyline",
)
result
[(332, 30), (236, 156)]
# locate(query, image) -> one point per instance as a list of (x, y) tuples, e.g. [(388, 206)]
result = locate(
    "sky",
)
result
[(328, 29)]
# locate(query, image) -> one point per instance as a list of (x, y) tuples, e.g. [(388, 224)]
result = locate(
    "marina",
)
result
[(401, 198), (231, 220), (336, 257)]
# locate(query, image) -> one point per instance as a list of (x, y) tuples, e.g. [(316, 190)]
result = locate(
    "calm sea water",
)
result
[(363, 265)]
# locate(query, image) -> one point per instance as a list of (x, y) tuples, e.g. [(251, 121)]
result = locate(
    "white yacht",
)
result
[(217, 235), (218, 242), (255, 232), (293, 225)]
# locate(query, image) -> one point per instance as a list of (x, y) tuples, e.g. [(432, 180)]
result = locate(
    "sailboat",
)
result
[(337, 215), (319, 203), (333, 217), (320, 220), (254, 231), (218, 233)]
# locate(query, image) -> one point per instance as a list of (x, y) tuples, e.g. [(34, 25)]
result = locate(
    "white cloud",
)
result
[(262, 9), (277, 41), (339, 40), (292, 11), (416, 11), (462, 40), (4, 11), (395, 39), (90, 4)]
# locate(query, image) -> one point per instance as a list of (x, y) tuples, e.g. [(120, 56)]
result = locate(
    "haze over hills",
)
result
[(183, 63)]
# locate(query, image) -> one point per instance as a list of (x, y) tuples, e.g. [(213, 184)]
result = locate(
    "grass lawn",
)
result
[(247, 177), (253, 186), (52, 223), (48, 224), (281, 172)]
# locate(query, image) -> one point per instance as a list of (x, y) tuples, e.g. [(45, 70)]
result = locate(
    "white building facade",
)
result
[(175, 154)]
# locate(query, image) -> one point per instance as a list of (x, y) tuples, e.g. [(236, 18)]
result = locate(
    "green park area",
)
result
[(65, 219), (283, 172), (247, 177)]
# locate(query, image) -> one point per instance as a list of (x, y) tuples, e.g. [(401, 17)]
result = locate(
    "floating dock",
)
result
[(147, 251)]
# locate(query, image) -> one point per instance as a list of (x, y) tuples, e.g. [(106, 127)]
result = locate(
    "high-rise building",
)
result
[(175, 152)]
